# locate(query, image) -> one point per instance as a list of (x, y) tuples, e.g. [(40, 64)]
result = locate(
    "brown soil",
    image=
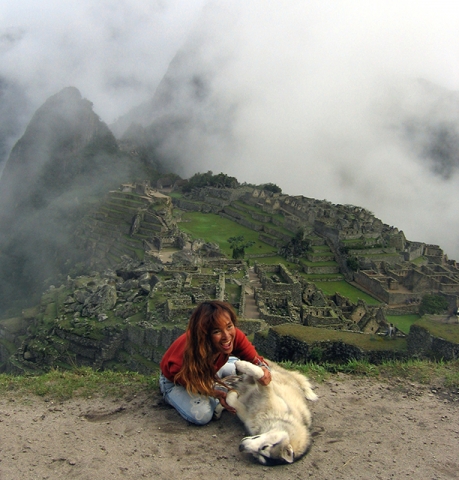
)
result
[(362, 429)]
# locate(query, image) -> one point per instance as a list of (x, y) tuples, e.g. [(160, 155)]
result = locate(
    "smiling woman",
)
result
[(192, 367)]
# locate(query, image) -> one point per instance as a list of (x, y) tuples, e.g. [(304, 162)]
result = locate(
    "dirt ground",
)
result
[(361, 429)]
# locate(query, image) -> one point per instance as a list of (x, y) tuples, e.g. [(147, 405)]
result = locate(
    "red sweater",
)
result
[(172, 360)]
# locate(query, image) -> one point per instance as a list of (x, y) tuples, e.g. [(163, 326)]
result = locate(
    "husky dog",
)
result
[(277, 415)]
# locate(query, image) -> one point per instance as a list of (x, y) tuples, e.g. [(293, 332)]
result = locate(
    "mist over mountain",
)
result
[(354, 103), (14, 114), (427, 119), (66, 156)]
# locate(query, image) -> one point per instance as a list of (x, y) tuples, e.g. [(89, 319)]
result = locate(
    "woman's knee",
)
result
[(201, 420)]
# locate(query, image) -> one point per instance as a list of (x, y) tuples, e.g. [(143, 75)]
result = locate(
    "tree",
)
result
[(433, 304), (297, 246), (353, 263), (200, 180), (238, 246), (272, 187)]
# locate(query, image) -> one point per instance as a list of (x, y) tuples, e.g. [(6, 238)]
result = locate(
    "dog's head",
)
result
[(271, 448)]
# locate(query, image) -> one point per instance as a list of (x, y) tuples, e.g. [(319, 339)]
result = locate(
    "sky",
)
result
[(315, 89)]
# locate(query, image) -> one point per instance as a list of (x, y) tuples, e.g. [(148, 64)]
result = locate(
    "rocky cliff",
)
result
[(66, 158)]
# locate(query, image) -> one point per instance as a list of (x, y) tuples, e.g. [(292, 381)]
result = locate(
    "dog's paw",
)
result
[(249, 369), (231, 398)]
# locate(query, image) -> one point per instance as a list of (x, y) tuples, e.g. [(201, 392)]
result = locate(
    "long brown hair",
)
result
[(198, 372)]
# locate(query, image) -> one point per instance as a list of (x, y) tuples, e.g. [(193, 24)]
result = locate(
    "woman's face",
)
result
[(223, 334)]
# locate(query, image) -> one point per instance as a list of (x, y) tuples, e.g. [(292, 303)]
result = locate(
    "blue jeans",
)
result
[(195, 408)]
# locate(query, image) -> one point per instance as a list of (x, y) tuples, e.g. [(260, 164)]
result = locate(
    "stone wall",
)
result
[(286, 348), (275, 233), (274, 242), (322, 270), (422, 344), (151, 342)]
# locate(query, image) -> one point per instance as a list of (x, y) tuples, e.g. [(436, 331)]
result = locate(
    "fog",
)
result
[(312, 96)]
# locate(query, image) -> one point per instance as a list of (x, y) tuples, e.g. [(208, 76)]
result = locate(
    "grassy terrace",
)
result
[(248, 217), (363, 341), (321, 248), (347, 290), (322, 277), (403, 322), (176, 195), (254, 208), (213, 228), (356, 241), (330, 263), (419, 261), (274, 260), (449, 331)]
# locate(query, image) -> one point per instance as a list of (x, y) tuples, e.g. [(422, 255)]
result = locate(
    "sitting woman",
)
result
[(192, 366)]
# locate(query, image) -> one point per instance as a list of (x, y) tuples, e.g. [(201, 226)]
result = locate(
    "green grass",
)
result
[(330, 263), (274, 260), (363, 341), (419, 261), (403, 322), (322, 277), (347, 290), (422, 371), (85, 382), (233, 292), (321, 248), (80, 382), (448, 331), (213, 228)]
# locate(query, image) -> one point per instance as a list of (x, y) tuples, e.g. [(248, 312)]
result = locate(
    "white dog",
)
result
[(277, 415)]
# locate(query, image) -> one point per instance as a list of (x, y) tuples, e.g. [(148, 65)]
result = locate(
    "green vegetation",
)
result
[(403, 322), (423, 371), (208, 179), (238, 245), (271, 187), (363, 341), (85, 382), (419, 261), (448, 331), (353, 263), (347, 290), (322, 277), (297, 246), (213, 228), (175, 195), (433, 304), (233, 292), (274, 260), (79, 382)]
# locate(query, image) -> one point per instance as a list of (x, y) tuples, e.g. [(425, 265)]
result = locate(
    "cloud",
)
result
[(114, 51), (309, 95), (316, 96)]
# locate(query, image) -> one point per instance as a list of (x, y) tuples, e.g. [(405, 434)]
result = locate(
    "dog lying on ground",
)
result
[(276, 415)]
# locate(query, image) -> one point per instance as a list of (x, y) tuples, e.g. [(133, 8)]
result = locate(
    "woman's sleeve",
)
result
[(245, 350)]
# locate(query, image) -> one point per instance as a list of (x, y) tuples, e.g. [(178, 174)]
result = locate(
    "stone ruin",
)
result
[(151, 299)]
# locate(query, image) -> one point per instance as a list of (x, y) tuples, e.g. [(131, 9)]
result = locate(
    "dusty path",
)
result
[(362, 430)]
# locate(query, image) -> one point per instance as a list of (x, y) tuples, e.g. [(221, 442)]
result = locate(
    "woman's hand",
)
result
[(266, 378), (222, 397)]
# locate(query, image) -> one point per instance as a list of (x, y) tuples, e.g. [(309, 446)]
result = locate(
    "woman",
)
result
[(192, 366)]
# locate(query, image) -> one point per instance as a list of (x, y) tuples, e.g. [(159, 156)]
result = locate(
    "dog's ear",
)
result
[(287, 454)]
